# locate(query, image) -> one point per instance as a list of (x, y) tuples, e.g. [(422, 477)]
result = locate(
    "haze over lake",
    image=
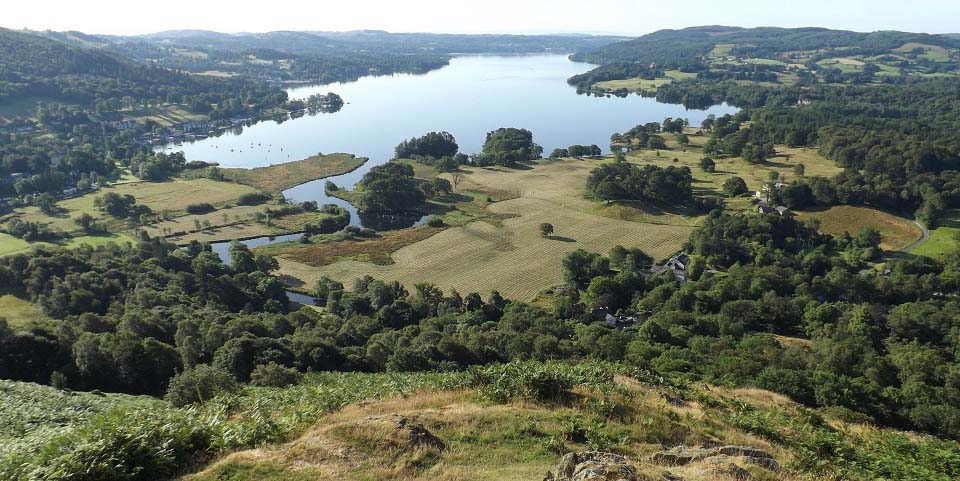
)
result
[(468, 98)]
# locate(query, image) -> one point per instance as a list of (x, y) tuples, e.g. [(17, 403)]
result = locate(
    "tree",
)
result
[(734, 186), (580, 267), (456, 178), (546, 230), (46, 202), (508, 146), (199, 384), (708, 165), (799, 170)]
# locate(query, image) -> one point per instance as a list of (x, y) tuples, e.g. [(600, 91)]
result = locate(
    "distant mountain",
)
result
[(674, 48), (41, 65), (952, 35)]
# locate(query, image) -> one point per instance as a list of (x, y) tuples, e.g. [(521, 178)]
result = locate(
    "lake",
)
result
[(472, 96)]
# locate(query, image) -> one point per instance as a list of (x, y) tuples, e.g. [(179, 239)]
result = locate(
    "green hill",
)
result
[(770, 54)]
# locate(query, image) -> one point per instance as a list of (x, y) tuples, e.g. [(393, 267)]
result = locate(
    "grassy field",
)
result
[(166, 115), (755, 175), (942, 240), (896, 232), (279, 177), (186, 223), (634, 84), (11, 245), (18, 312), (173, 196), (510, 257)]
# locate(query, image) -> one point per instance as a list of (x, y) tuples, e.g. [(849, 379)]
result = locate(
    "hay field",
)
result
[(512, 259), (896, 233)]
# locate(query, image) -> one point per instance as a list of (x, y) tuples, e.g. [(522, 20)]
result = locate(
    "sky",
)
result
[(625, 17)]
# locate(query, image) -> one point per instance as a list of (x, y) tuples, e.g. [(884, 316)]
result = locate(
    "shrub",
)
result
[(253, 198), (199, 384), (200, 208), (435, 222), (274, 375), (531, 381)]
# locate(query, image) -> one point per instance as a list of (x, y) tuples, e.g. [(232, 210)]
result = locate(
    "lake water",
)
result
[(470, 97)]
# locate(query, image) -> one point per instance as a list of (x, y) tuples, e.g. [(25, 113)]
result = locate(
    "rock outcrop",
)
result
[(720, 462), (682, 455), (593, 466)]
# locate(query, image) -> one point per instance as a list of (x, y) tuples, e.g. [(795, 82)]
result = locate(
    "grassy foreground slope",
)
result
[(514, 422)]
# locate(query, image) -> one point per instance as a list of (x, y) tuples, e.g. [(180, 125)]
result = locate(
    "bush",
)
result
[(200, 208), (274, 375), (435, 222), (199, 384), (734, 186), (253, 198), (531, 381)]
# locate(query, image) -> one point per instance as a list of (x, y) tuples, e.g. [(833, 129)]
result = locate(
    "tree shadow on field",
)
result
[(560, 238), (291, 281), (453, 198)]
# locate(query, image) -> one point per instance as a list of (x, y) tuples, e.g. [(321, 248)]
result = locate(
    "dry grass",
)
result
[(376, 250), (510, 257), (896, 233), (19, 312), (502, 442), (279, 177), (186, 223)]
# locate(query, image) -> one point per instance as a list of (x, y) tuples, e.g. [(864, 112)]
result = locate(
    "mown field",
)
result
[(896, 232), (510, 257), (279, 177), (504, 251)]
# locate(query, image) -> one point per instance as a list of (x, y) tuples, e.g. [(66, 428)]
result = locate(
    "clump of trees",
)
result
[(432, 144), (122, 207), (649, 183), (157, 166), (390, 188), (436, 149), (508, 147)]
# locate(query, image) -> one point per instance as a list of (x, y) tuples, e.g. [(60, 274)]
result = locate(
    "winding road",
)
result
[(920, 241)]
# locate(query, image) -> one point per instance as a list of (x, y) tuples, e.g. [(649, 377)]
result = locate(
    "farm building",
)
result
[(675, 266)]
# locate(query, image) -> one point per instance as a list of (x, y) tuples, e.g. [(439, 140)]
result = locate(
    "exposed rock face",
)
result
[(593, 466), (720, 462), (418, 436), (682, 455)]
